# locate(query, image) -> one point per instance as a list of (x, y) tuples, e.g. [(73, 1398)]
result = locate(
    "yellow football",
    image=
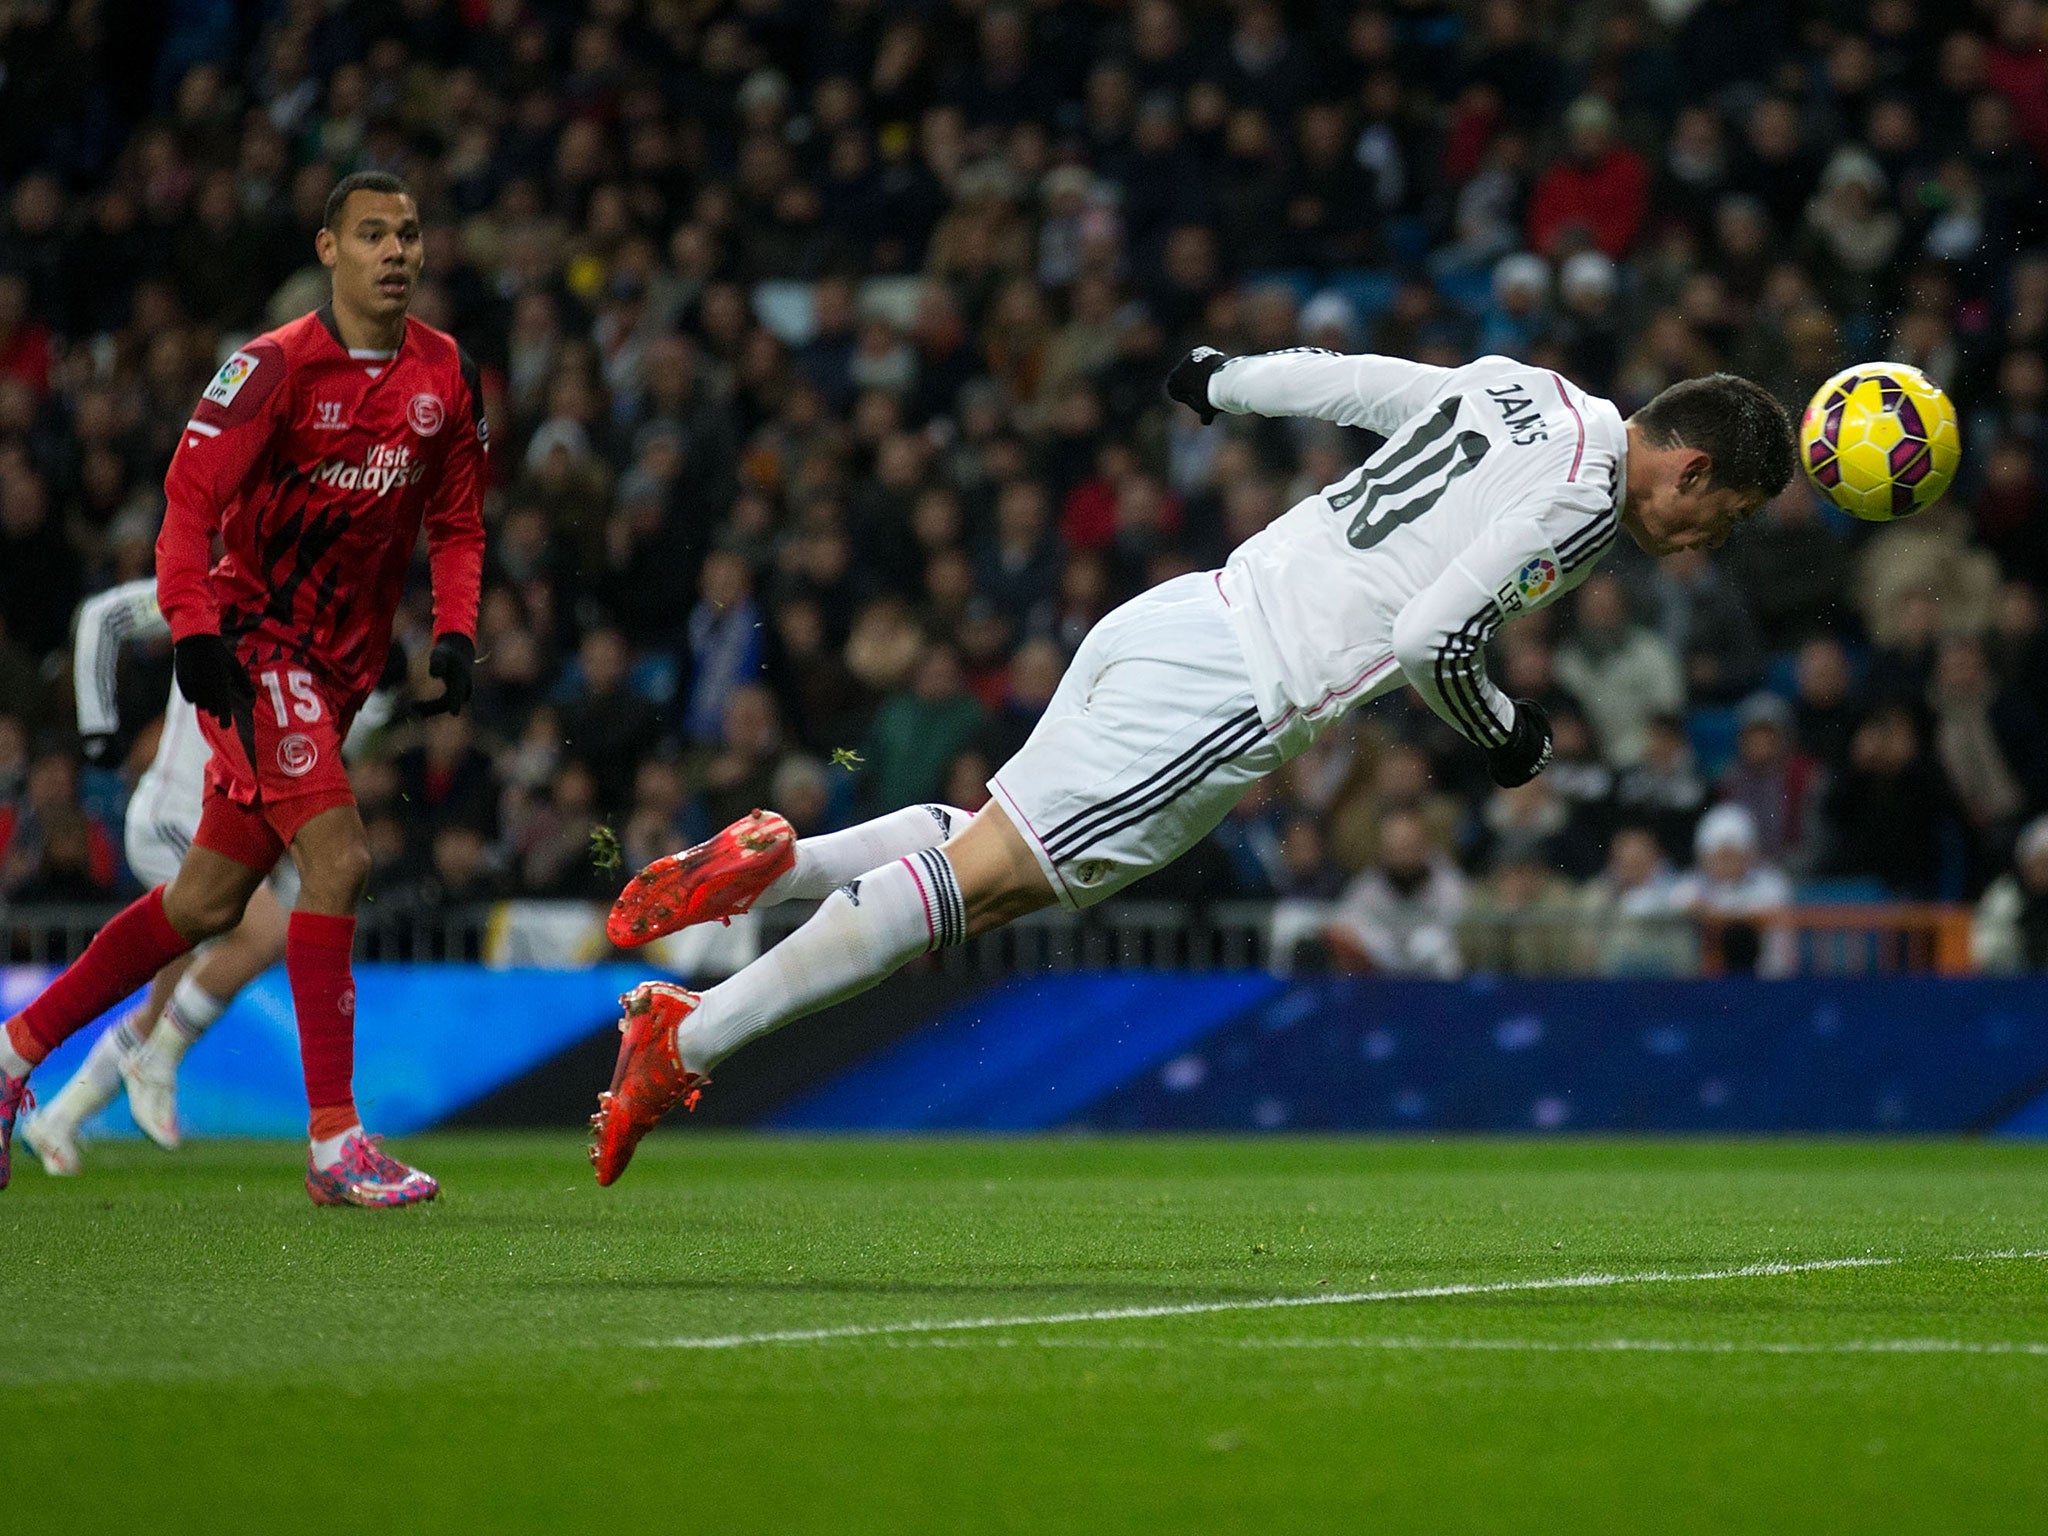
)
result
[(1880, 440)]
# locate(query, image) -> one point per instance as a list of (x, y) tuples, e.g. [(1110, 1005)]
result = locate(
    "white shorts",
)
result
[(1151, 738)]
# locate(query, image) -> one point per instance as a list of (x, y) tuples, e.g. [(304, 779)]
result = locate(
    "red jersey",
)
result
[(317, 468)]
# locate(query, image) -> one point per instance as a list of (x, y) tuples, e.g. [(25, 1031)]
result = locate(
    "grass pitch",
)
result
[(186, 1344)]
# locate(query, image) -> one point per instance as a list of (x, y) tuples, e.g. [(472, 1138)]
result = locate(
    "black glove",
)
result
[(1189, 381), (451, 660), (210, 676), (1526, 752), (104, 751)]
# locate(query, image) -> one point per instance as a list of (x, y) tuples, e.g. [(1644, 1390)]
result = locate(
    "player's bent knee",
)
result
[(201, 913), (1000, 880)]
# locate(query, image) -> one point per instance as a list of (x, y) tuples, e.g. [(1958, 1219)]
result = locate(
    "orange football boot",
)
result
[(719, 878), (649, 1080)]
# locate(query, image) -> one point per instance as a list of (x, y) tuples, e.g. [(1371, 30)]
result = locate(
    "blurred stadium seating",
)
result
[(824, 341)]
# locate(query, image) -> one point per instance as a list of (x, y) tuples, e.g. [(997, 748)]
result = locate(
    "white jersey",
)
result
[(1497, 489), (167, 799)]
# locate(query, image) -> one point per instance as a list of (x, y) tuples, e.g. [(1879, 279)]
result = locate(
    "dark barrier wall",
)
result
[(1238, 1053), (1222, 1051)]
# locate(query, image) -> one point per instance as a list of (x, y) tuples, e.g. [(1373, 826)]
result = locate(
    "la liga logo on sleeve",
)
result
[(227, 384), (1530, 585), (1535, 579)]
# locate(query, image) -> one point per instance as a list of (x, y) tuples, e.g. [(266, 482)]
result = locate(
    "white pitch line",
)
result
[(1260, 1304), (1680, 1346), (2033, 1347)]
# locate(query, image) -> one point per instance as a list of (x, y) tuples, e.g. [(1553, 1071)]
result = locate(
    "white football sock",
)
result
[(826, 862), (12, 1062), (864, 931), (190, 1013), (327, 1150), (98, 1080)]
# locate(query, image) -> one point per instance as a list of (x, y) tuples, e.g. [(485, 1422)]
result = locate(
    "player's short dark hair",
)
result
[(1736, 423), (360, 181)]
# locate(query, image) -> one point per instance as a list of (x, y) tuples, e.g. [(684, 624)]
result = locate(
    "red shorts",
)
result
[(297, 772)]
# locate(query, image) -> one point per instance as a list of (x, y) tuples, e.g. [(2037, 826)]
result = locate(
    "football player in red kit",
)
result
[(316, 455)]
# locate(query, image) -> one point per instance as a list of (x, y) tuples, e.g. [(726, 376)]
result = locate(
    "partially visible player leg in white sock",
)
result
[(828, 861), (94, 1086), (190, 1013), (865, 930)]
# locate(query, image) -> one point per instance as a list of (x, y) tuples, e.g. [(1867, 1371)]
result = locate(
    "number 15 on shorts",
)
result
[(305, 703)]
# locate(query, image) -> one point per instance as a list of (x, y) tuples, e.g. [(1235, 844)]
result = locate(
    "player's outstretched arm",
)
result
[(455, 550), (1353, 389), (105, 621), (1440, 640), (226, 443)]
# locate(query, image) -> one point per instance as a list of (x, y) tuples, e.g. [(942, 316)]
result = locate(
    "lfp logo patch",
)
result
[(1535, 579), (234, 373)]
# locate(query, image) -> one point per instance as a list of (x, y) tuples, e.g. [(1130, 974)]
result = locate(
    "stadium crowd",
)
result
[(824, 343)]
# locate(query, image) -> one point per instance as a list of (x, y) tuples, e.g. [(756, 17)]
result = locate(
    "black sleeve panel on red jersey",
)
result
[(229, 434), (454, 519), (473, 377)]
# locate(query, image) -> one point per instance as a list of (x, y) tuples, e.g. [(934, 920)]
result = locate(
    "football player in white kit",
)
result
[(1497, 489), (144, 1050)]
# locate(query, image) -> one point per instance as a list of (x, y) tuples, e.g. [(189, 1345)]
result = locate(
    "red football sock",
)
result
[(122, 956), (316, 951)]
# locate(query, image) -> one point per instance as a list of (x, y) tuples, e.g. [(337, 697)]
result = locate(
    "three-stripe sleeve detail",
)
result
[(1588, 543), (1457, 678)]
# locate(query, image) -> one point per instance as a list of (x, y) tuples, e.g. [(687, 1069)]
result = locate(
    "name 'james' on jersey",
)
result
[(318, 467), (1496, 490)]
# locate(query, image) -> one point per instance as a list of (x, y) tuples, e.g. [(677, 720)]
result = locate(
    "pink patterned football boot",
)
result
[(365, 1176), (14, 1097)]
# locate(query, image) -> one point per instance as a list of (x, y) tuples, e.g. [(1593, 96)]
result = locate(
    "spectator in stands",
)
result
[(1622, 673), (1790, 567), (917, 731), (1520, 312), (1307, 872), (2010, 931), (1779, 785), (1535, 816), (1630, 912), (1596, 193), (862, 316), (447, 777), (738, 772), (1034, 676), (1578, 776), (39, 569), (1401, 916), (1394, 779), (1523, 918), (1991, 748), (50, 849), (1731, 884), (1702, 618), (608, 727), (1824, 713), (1887, 810), (13, 761)]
